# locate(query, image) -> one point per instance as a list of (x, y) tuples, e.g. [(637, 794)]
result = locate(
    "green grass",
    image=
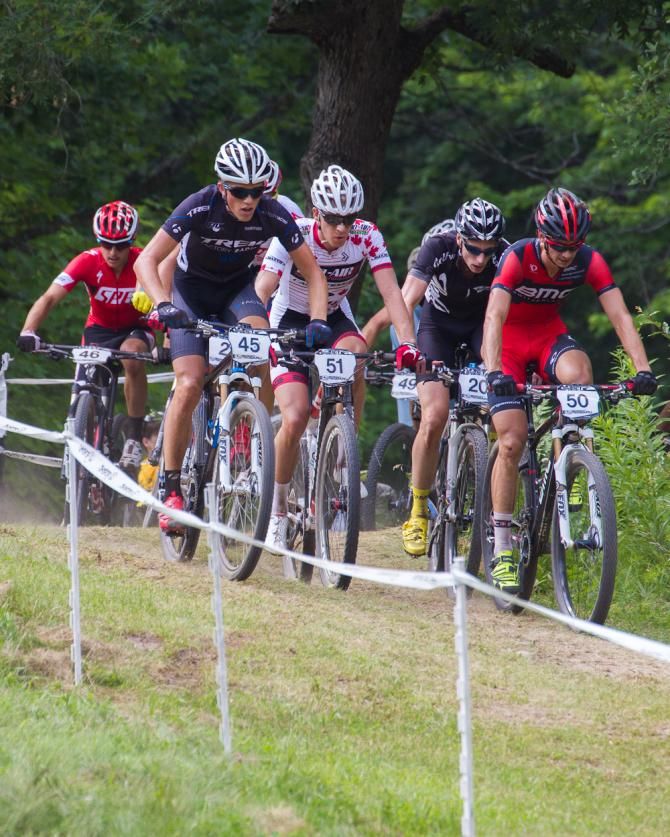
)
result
[(343, 706)]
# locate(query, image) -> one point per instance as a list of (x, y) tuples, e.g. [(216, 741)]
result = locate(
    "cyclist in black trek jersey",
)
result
[(220, 229), (453, 271)]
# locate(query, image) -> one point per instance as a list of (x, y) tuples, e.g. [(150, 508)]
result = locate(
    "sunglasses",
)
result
[(336, 220), (109, 245), (241, 193), (563, 248), (478, 251)]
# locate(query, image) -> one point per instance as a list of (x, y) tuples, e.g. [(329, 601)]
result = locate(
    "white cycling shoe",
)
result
[(277, 535)]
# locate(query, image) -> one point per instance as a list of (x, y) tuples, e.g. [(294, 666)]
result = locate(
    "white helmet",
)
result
[(274, 179), (448, 225), (242, 161), (337, 191), (480, 219)]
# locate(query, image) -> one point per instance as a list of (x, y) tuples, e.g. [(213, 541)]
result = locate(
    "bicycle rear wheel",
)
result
[(463, 531), (181, 544), (522, 521), (337, 498), (584, 574), (245, 504), (389, 478)]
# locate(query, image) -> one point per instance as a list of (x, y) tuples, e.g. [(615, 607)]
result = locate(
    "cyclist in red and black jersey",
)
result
[(107, 273), (523, 325)]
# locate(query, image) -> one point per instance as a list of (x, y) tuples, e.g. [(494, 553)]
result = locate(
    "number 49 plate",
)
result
[(404, 385)]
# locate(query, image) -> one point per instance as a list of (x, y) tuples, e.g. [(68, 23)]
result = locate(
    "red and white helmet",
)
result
[(274, 180), (242, 162), (115, 223), (337, 191)]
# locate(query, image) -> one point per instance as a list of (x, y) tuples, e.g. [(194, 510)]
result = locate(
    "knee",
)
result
[(432, 424), (134, 369), (293, 422), (188, 389), (510, 445)]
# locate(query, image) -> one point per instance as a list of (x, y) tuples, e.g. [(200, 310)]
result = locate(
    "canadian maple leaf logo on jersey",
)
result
[(373, 252), (355, 239), (368, 241)]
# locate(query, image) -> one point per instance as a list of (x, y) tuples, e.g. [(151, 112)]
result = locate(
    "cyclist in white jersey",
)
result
[(342, 243), (272, 191)]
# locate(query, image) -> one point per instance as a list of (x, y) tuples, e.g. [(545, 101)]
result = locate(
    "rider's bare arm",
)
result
[(41, 307), (394, 303), (412, 291), (617, 312), (147, 264), (496, 314), (266, 285)]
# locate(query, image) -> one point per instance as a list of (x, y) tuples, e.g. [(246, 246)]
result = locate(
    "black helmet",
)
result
[(563, 217), (480, 219)]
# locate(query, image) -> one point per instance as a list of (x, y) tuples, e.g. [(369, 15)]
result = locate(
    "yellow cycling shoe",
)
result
[(415, 536)]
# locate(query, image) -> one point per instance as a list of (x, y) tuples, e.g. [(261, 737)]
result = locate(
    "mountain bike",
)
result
[(92, 404), (563, 493), (329, 476), (389, 472), (461, 467), (231, 444)]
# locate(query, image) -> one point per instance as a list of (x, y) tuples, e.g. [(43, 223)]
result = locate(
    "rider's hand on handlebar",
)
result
[(317, 333), (644, 383), (28, 341), (501, 384), (407, 356), (172, 316), (142, 302)]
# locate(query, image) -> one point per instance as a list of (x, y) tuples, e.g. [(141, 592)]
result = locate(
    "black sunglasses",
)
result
[(563, 248), (241, 193), (478, 251), (114, 245), (336, 220)]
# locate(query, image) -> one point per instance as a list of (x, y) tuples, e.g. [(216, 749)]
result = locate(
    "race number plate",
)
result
[(91, 354), (249, 347), (578, 402), (474, 386), (404, 385), (219, 347), (335, 366)]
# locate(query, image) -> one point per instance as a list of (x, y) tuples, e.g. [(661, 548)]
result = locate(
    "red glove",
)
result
[(407, 356)]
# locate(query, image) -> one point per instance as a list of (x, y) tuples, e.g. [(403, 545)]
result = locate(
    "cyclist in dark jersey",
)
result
[(220, 229), (106, 271), (453, 271), (523, 325)]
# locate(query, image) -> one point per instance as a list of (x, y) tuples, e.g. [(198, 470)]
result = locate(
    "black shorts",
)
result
[(440, 334), (236, 305), (112, 338), (341, 327)]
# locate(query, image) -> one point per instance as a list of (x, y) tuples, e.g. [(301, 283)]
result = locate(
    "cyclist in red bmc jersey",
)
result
[(107, 273), (523, 325)]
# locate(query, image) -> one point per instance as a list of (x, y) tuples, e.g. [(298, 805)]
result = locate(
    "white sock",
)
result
[(502, 532), (280, 498)]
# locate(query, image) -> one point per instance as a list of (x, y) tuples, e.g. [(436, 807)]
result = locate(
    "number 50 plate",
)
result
[(335, 366), (578, 402)]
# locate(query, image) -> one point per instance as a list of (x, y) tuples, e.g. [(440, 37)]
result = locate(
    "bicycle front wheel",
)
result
[(245, 502), (522, 521), (338, 497), (84, 428), (463, 527), (389, 479), (300, 536), (584, 573)]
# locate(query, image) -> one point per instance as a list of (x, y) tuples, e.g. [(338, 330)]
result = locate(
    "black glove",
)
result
[(501, 384), (644, 383), (317, 333), (171, 316), (163, 354), (28, 341)]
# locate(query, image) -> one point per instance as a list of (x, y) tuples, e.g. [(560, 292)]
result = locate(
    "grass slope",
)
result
[(343, 706)]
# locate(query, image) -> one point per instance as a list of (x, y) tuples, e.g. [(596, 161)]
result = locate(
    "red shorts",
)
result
[(541, 345)]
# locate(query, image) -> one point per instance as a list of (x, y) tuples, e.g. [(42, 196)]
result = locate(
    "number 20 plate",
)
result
[(578, 402), (335, 366), (474, 386), (90, 354), (249, 347)]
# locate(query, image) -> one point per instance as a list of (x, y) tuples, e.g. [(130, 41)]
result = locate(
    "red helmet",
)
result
[(563, 217), (115, 223)]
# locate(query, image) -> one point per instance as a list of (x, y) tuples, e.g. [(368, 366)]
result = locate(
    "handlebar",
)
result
[(212, 328), (58, 351)]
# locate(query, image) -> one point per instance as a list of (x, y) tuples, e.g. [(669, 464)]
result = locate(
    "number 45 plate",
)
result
[(249, 347)]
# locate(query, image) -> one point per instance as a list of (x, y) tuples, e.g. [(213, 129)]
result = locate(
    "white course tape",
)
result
[(35, 458), (19, 427), (153, 378)]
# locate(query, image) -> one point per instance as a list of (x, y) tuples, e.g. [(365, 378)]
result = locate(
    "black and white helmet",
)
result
[(448, 225), (337, 191), (480, 219), (274, 179), (242, 161)]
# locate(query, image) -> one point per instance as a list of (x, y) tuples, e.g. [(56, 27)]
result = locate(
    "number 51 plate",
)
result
[(335, 366), (249, 347)]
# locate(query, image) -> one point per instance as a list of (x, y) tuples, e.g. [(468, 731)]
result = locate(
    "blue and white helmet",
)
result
[(480, 219), (337, 191), (244, 162)]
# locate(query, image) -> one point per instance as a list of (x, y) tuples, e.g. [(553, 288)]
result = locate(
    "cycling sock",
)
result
[(172, 482), (280, 498), (420, 502), (134, 428), (502, 531)]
